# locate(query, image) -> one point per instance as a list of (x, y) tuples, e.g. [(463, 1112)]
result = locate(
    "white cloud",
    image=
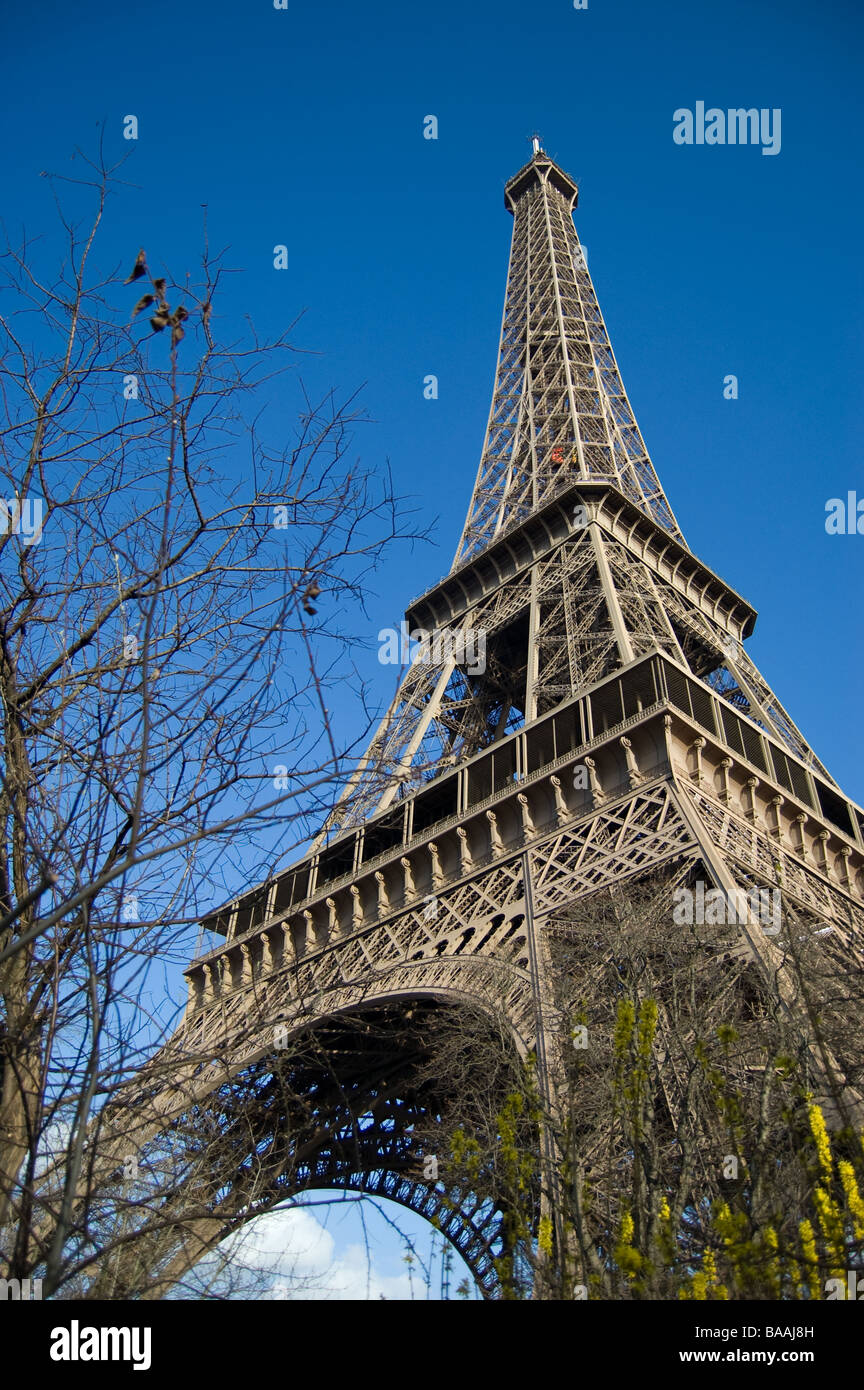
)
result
[(289, 1254)]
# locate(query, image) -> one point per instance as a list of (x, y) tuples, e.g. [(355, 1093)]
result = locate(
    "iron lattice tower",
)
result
[(617, 731)]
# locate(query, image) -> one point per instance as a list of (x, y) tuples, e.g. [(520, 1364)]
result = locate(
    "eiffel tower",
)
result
[(580, 713)]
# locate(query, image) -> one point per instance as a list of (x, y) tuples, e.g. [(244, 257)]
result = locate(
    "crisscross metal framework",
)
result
[(617, 729)]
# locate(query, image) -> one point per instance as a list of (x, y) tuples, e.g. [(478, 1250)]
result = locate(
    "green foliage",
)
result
[(749, 1244)]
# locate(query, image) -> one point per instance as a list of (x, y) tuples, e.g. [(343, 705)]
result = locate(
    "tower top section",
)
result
[(540, 169), (559, 410)]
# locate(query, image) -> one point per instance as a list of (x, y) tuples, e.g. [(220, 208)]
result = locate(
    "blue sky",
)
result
[(305, 127)]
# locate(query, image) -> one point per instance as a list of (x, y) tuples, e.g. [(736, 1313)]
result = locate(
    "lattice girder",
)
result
[(559, 409)]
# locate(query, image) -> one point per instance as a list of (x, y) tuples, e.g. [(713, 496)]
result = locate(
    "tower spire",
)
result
[(559, 409)]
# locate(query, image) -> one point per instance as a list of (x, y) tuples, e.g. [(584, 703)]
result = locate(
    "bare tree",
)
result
[(175, 601)]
